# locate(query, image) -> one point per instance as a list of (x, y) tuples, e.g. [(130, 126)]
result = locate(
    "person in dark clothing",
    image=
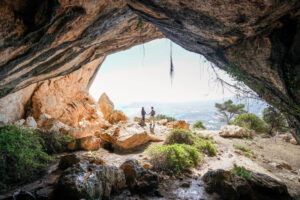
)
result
[(143, 112)]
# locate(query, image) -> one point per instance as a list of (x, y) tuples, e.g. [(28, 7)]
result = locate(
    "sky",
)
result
[(142, 74)]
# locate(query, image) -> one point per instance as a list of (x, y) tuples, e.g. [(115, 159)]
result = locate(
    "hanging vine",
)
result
[(171, 63)]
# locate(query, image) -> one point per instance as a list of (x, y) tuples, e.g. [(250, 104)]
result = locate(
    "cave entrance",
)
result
[(140, 77)]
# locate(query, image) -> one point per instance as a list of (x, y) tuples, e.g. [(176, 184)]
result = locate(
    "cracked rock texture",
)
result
[(256, 41)]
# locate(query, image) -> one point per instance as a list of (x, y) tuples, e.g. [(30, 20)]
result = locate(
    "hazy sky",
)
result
[(142, 73)]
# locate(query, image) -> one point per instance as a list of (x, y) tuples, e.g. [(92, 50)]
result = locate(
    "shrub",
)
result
[(199, 125), (160, 117), (180, 136), (241, 171), (174, 158), (248, 151), (274, 119), (54, 142), (250, 121), (22, 155), (205, 146)]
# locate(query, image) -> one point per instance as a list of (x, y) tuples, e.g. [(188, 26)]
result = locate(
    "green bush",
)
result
[(199, 125), (241, 171), (54, 142), (160, 117), (248, 151), (174, 158), (180, 136), (22, 155), (250, 121), (205, 146), (275, 120)]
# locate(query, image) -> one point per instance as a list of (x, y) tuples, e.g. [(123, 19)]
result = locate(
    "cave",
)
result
[(258, 42), (51, 51)]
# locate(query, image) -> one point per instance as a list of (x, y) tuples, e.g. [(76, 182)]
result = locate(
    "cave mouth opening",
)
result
[(140, 76)]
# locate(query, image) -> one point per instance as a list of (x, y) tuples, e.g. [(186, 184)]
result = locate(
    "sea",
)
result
[(191, 112)]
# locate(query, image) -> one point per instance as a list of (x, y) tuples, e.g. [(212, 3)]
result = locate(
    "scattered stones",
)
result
[(138, 178), (233, 131)]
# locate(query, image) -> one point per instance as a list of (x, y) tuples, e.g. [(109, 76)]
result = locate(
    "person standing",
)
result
[(143, 112), (152, 115)]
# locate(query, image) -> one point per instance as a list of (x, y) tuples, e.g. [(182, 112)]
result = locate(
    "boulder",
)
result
[(30, 122), (179, 124), (106, 105), (233, 187), (234, 131), (128, 137), (138, 178), (107, 109), (85, 180)]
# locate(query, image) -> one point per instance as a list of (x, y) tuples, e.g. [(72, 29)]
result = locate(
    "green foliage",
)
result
[(54, 142), (274, 119), (174, 158), (205, 146), (199, 125), (248, 151), (241, 171), (180, 136), (160, 117), (22, 155), (228, 110), (250, 121)]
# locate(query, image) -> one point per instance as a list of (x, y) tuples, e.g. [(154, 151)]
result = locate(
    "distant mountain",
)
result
[(191, 112)]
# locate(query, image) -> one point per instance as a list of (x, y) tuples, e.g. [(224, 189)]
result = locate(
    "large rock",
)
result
[(85, 180), (179, 124), (107, 109), (66, 98), (232, 187), (127, 136), (30, 122), (138, 178), (234, 131)]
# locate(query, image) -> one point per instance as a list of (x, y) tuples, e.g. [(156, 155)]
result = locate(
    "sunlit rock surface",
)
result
[(107, 108), (127, 136)]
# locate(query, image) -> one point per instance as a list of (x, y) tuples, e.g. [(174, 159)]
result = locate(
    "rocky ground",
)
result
[(271, 156), (105, 140)]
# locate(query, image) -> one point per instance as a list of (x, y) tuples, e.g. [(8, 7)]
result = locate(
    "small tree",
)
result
[(274, 119), (228, 110)]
